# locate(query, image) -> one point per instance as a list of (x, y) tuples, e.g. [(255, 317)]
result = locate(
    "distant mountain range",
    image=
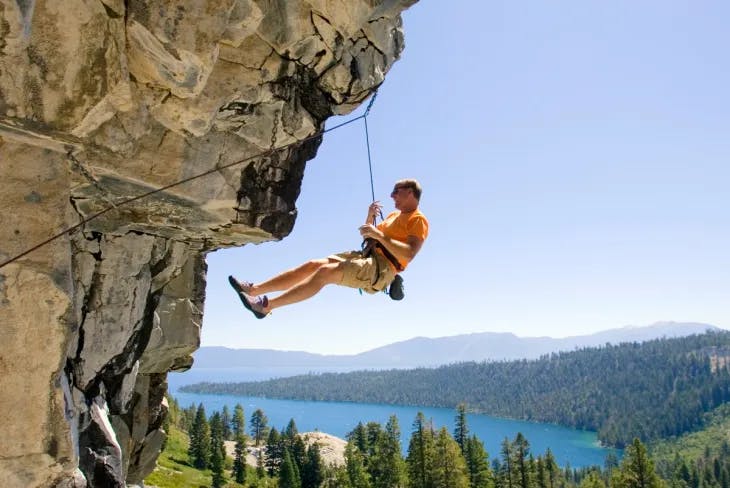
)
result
[(423, 351)]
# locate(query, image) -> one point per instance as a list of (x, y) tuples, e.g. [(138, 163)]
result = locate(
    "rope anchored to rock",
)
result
[(267, 153)]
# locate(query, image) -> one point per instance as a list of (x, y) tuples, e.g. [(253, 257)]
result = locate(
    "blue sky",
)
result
[(575, 159)]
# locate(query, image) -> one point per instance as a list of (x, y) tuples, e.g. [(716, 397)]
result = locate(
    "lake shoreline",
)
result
[(406, 405), (577, 448)]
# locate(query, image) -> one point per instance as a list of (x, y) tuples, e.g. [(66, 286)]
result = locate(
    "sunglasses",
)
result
[(397, 189)]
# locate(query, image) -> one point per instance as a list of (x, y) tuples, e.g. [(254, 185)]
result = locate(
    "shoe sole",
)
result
[(242, 296)]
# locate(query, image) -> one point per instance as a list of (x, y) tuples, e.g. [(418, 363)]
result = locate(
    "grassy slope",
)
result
[(692, 446), (173, 469)]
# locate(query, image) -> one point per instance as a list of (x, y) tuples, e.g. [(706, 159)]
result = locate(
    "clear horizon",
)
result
[(457, 335)]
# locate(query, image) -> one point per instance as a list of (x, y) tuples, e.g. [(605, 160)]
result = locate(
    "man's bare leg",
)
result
[(326, 274), (287, 279)]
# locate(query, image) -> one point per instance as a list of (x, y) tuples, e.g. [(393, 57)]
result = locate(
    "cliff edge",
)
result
[(105, 100)]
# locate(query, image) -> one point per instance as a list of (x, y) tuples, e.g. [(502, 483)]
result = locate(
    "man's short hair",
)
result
[(412, 184)]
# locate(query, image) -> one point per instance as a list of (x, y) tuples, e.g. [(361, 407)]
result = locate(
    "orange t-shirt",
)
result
[(398, 225)]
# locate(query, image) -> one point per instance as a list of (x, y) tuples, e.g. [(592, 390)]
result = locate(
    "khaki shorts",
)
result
[(371, 274)]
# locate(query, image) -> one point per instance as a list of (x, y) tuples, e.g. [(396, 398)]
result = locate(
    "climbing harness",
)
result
[(268, 153)]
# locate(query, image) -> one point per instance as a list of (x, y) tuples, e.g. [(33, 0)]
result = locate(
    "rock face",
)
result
[(102, 101)]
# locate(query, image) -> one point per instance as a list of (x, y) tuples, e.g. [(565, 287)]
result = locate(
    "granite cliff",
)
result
[(105, 100)]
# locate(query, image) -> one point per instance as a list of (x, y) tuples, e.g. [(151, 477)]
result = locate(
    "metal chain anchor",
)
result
[(277, 113)]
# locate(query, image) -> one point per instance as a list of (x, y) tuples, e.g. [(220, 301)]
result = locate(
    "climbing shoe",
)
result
[(396, 291), (255, 304), (239, 286)]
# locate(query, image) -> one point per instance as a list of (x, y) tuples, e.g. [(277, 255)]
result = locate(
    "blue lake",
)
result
[(574, 447)]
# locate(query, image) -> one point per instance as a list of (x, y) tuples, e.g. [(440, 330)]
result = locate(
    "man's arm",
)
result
[(405, 251)]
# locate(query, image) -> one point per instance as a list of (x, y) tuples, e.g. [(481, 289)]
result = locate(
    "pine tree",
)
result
[(637, 469), (542, 477), (461, 431), (355, 465), (259, 426), (522, 452), (717, 469), (507, 473), (299, 453), (387, 457), (188, 418), (551, 467), (289, 438), (373, 431), (725, 477), (313, 472), (199, 449), (568, 473), (682, 476), (338, 477), (359, 437), (239, 461), (477, 464), (449, 468), (238, 423), (274, 452), (532, 470), (288, 477), (593, 480), (291, 430), (217, 450), (366, 439), (260, 469), (421, 451), (226, 422)]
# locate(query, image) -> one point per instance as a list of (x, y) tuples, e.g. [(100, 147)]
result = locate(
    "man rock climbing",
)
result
[(391, 245)]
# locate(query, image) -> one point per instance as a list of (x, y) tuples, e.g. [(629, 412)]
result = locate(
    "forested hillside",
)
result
[(651, 390), (700, 458)]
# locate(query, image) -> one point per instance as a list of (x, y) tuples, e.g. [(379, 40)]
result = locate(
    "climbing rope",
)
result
[(367, 143), (268, 153)]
